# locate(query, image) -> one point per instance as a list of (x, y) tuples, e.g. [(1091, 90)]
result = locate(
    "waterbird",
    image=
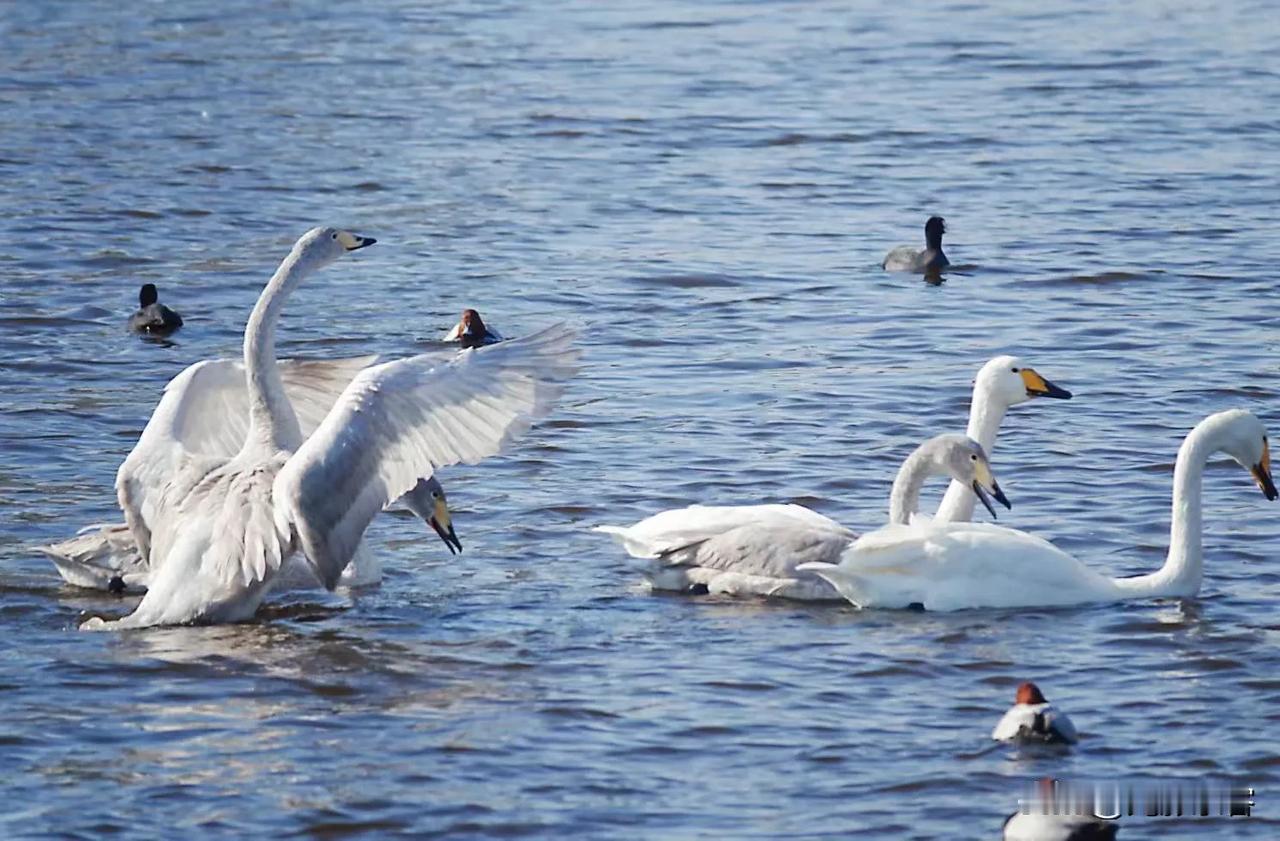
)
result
[(153, 317), (1033, 719), (954, 566), (908, 258), (218, 530), (762, 557), (755, 549), (470, 331)]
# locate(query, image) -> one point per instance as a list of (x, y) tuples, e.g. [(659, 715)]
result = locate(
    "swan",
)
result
[(952, 566), (207, 407), (751, 541), (1033, 719), (761, 559), (104, 556), (152, 316), (907, 258), (1002, 382), (470, 331), (216, 531)]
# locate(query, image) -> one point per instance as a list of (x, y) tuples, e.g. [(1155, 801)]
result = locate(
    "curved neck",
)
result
[(933, 242), (985, 416), (904, 499), (1184, 565), (273, 426)]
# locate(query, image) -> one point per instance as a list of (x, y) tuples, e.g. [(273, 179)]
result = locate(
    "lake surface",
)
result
[(708, 189)]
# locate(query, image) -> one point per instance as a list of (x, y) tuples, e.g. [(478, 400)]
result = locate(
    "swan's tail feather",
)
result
[(635, 548), (847, 584)]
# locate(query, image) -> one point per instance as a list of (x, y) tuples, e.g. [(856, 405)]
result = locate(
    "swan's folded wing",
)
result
[(204, 413), (398, 422), (772, 550)]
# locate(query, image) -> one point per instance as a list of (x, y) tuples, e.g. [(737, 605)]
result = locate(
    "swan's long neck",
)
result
[(1184, 565), (273, 426), (904, 499), (985, 416)]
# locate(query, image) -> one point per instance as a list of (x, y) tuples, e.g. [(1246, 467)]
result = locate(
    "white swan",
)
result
[(217, 531), (907, 258), (1002, 382), (1033, 719), (762, 559), (759, 546), (104, 556), (951, 566), (1059, 813), (206, 407)]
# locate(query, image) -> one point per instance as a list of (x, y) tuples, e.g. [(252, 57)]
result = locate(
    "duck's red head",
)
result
[(471, 323), (1029, 693)]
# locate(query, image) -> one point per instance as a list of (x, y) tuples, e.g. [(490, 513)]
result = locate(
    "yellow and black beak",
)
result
[(443, 524), (1038, 386), (1262, 473), (351, 242), (984, 483)]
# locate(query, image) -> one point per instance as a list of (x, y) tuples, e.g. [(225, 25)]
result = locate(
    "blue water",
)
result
[(708, 188)]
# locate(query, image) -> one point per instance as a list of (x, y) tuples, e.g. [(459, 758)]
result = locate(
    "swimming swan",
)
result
[(907, 258), (749, 543), (788, 536), (217, 531), (470, 331), (210, 400), (153, 317), (952, 566)]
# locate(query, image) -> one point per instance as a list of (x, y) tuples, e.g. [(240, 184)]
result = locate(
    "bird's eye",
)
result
[(1015, 370), (972, 457), (435, 494), (335, 236)]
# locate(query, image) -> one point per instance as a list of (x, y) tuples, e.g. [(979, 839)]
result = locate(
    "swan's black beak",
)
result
[(981, 493), (361, 242), (1262, 473), (447, 534), (1038, 386)]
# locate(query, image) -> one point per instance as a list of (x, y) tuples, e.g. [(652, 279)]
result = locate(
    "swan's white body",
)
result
[(755, 550), (217, 531), (206, 407), (952, 566)]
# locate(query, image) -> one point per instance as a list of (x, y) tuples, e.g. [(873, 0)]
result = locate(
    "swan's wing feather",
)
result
[(677, 528), (398, 422), (204, 412), (771, 550)]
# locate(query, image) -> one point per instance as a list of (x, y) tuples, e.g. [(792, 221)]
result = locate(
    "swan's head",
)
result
[(428, 501), (1009, 381), (1029, 693), (1244, 438), (321, 246), (933, 231), (147, 295), (964, 460)]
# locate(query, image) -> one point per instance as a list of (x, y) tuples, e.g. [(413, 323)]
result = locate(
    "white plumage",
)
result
[(216, 530), (951, 566)]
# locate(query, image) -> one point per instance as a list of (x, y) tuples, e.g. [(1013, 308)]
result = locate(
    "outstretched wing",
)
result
[(204, 415), (398, 422)]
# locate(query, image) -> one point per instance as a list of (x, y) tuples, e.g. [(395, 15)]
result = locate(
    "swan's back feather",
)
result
[(398, 422), (202, 420)]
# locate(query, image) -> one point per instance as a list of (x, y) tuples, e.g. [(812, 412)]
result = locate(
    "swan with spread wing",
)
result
[(217, 531)]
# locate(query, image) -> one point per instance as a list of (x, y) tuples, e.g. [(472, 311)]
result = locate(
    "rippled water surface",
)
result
[(708, 188)]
